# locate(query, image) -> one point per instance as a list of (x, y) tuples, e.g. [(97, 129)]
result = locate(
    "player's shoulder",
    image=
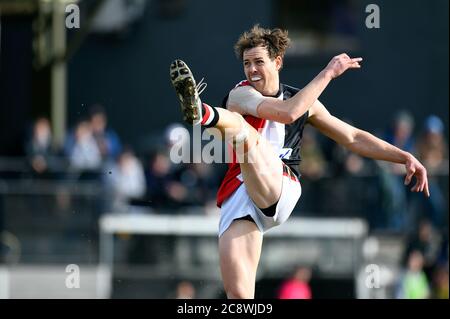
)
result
[(243, 90), (241, 84), (244, 87), (226, 98), (241, 87)]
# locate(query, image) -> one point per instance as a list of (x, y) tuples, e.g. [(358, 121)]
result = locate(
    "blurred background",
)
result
[(91, 206)]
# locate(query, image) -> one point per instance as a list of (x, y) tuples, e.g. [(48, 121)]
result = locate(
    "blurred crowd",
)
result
[(94, 151), (425, 265), (396, 207)]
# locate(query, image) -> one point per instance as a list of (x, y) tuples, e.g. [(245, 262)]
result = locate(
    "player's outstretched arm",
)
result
[(365, 144), (290, 110)]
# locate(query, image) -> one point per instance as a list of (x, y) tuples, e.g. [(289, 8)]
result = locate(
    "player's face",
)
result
[(261, 71)]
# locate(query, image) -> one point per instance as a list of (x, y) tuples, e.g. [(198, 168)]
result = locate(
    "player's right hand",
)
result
[(341, 63)]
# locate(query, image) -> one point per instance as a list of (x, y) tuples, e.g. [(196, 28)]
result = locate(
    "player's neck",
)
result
[(273, 90)]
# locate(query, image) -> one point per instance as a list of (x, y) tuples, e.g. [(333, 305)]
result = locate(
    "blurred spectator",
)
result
[(208, 181), (107, 140), (428, 242), (433, 153), (394, 203), (82, 149), (173, 177), (199, 181), (297, 286), (126, 179), (432, 147), (40, 149), (400, 132), (394, 214), (440, 282), (162, 189), (414, 283), (185, 290)]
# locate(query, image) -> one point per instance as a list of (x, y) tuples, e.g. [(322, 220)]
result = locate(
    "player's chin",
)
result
[(258, 85)]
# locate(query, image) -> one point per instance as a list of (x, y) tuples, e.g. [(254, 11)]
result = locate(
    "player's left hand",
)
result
[(340, 63), (415, 168)]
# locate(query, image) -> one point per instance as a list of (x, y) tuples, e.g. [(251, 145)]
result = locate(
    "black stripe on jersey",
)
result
[(293, 132)]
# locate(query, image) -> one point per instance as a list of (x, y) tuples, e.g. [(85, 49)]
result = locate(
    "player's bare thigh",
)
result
[(239, 250), (263, 173), (261, 167)]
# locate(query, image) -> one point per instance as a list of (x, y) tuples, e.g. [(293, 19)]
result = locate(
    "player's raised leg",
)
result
[(261, 168)]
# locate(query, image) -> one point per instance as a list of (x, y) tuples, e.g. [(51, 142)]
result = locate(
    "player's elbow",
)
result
[(287, 117), (353, 139), (295, 112), (291, 115)]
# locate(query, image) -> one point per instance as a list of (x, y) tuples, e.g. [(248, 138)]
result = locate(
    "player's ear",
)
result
[(279, 62)]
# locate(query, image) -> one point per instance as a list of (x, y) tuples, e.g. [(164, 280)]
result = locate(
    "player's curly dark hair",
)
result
[(275, 40)]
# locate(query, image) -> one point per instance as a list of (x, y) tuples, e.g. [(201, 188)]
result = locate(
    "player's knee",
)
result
[(237, 115), (244, 132)]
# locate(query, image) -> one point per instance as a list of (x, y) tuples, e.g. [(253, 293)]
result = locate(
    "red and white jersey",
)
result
[(285, 138)]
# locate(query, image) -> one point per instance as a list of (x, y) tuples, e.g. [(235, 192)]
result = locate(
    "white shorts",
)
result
[(240, 205)]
